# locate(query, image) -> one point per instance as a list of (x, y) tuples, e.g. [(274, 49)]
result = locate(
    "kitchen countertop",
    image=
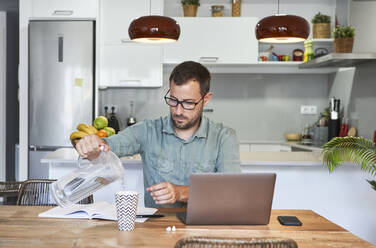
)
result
[(311, 157)]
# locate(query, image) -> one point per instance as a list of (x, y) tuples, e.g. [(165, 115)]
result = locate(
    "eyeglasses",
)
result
[(188, 105)]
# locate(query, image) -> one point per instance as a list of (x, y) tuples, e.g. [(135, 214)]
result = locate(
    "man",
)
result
[(177, 145)]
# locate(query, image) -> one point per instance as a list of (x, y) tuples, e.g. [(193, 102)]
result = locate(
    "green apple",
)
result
[(110, 131), (100, 122)]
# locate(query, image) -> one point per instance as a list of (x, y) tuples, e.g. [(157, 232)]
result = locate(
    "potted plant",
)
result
[(190, 7), (343, 39), (360, 151), (321, 26)]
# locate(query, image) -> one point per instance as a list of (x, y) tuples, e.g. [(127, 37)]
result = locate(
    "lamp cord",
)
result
[(150, 7), (278, 8)]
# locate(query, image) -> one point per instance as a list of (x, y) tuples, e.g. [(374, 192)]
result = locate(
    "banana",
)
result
[(85, 128), (77, 135), (94, 130)]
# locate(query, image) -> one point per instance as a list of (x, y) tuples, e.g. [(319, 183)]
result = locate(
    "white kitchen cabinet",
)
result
[(227, 40), (123, 63), (117, 15), (64, 9), (131, 65)]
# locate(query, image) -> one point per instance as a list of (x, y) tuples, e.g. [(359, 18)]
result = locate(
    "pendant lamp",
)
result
[(282, 28), (154, 29)]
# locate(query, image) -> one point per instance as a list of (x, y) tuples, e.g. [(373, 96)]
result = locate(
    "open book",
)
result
[(98, 210)]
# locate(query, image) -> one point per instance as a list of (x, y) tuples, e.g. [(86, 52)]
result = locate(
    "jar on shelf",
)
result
[(236, 8), (217, 10)]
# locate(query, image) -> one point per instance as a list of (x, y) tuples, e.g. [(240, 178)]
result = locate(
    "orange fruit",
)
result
[(102, 133)]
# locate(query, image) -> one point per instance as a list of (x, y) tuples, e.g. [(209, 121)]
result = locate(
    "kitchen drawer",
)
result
[(64, 9), (214, 40), (130, 65)]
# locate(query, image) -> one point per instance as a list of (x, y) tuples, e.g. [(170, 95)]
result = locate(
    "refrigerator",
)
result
[(61, 86)]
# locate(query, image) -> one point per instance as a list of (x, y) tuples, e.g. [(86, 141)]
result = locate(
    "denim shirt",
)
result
[(168, 158)]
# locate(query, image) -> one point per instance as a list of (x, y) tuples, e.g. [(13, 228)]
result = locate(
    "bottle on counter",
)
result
[(344, 128), (131, 119), (334, 123), (306, 135)]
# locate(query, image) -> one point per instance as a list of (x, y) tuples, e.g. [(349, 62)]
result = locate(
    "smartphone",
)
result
[(289, 221)]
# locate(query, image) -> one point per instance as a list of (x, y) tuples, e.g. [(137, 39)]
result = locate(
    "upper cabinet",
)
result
[(117, 15), (124, 63), (130, 65), (64, 9), (227, 40)]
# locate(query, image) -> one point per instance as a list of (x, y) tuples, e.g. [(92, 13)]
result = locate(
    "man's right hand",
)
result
[(89, 146)]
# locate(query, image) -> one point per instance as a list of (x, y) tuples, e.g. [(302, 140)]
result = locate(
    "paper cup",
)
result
[(126, 209)]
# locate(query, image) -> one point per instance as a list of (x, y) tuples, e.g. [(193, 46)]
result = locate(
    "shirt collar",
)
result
[(168, 127)]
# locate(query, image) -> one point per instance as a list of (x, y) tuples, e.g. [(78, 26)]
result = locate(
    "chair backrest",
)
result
[(36, 192), (209, 242), (9, 187)]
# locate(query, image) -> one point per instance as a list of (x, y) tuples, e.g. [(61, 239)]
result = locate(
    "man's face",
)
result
[(190, 92)]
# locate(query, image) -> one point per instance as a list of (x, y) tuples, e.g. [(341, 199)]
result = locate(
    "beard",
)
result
[(182, 122)]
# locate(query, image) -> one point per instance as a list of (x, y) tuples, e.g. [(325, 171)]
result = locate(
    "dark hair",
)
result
[(190, 70)]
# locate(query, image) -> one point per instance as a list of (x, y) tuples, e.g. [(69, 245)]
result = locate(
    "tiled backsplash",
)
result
[(258, 107)]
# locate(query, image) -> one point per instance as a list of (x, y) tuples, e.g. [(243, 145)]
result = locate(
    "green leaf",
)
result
[(360, 151), (190, 2)]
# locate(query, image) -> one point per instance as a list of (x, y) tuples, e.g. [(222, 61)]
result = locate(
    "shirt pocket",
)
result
[(205, 166), (164, 166)]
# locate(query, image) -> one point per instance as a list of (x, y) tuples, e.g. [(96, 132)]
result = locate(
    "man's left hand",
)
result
[(167, 193)]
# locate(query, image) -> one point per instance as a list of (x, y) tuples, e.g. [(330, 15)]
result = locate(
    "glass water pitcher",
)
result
[(88, 178)]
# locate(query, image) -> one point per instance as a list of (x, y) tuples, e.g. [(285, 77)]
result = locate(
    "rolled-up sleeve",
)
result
[(128, 141), (228, 157)]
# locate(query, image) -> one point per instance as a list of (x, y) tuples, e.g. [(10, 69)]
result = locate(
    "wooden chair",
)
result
[(209, 242), (36, 192), (9, 190)]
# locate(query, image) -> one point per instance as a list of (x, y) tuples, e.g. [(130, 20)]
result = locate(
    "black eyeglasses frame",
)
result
[(181, 102)]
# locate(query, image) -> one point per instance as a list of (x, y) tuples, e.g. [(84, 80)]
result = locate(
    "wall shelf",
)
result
[(339, 60), (269, 67), (328, 40)]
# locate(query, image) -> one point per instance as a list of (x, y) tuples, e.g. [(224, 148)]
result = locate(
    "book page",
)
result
[(98, 210)]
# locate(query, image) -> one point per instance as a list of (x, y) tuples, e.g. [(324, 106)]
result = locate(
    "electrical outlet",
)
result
[(308, 110), (312, 110)]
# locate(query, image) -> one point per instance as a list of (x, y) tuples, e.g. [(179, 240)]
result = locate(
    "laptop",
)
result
[(229, 199)]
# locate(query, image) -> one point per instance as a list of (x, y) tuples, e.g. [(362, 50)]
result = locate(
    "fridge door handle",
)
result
[(46, 148), (209, 59), (63, 12), (60, 48)]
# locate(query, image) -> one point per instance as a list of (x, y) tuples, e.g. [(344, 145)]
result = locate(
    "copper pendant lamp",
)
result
[(154, 29), (282, 28)]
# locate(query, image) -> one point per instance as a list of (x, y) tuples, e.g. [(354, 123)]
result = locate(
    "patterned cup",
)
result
[(126, 209)]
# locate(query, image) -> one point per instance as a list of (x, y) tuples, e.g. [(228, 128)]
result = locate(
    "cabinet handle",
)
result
[(124, 81), (126, 41), (209, 59), (63, 12)]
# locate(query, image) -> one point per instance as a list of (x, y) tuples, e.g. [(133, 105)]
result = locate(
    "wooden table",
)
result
[(21, 227)]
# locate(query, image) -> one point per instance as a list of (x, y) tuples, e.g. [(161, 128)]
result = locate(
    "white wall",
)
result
[(363, 18), (261, 8), (2, 94)]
